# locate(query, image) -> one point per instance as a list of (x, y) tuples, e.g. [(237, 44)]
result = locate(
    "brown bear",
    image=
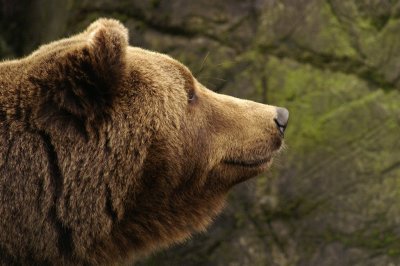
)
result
[(108, 151)]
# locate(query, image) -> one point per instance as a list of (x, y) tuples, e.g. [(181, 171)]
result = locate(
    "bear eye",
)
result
[(191, 95)]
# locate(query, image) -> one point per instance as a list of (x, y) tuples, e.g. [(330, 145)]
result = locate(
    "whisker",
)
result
[(203, 63), (209, 77)]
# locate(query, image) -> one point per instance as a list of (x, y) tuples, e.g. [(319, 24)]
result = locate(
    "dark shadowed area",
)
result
[(333, 196)]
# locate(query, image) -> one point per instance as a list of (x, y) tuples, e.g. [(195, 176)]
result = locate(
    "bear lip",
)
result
[(247, 163)]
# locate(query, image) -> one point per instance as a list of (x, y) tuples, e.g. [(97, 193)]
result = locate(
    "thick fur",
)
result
[(108, 152)]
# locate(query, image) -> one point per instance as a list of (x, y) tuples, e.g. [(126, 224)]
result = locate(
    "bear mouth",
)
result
[(247, 163)]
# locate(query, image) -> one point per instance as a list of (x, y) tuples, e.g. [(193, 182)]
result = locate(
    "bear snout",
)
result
[(281, 119)]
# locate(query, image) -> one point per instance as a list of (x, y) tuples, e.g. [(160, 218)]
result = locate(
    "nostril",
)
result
[(282, 118)]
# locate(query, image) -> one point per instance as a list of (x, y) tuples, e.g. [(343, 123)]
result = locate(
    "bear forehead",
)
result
[(160, 67)]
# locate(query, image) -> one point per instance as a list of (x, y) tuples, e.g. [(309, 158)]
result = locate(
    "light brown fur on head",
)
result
[(108, 152)]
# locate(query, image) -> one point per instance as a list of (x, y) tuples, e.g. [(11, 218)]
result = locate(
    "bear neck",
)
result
[(14, 90), (10, 73)]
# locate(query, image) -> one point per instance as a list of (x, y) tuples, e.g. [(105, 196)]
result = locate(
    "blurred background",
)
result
[(333, 197)]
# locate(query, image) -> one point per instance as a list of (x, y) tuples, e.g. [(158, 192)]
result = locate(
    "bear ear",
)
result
[(80, 80), (107, 42)]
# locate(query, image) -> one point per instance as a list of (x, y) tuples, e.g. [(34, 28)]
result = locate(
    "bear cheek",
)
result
[(197, 153)]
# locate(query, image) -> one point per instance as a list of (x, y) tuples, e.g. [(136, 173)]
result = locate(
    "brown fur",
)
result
[(103, 158)]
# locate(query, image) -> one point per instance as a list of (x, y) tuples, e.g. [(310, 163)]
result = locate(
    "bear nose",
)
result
[(282, 117)]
